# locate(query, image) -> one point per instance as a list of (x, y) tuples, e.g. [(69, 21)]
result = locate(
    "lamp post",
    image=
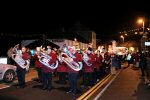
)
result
[(142, 21)]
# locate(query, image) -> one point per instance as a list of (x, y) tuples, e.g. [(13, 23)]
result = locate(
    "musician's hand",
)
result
[(70, 59), (38, 56)]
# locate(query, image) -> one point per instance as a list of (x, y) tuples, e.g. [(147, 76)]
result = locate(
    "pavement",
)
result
[(127, 86), (29, 77)]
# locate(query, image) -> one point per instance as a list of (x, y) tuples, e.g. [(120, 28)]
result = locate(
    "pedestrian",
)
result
[(142, 64), (113, 64)]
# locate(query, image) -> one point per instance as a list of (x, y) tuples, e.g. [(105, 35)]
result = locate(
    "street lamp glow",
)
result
[(140, 21), (122, 36)]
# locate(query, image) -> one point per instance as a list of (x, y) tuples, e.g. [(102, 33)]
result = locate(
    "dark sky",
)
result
[(103, 18)]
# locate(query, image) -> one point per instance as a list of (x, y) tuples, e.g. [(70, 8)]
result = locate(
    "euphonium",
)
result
[(86, 59), (45, 59), (67, 57), (17, 57)]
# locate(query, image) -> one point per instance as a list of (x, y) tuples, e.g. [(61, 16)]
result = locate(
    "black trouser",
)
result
[(47, 80), (40, 74), (73, 77), (142, 66), (96, 75), (143, 71), (21, 76), (88, 79), (62, 77)]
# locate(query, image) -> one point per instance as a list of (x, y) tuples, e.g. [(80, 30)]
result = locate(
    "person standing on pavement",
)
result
[(38, 65), (130, 59), (113, 64), (72, 74), (97, 65), (142, 63), (88, 70), (62, 71), (20, 71), (137, 58), (47, 72)]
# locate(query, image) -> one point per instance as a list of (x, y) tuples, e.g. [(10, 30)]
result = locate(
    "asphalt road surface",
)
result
[(127, 86)]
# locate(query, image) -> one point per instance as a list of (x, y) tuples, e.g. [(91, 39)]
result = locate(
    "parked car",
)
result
[(7, 72)]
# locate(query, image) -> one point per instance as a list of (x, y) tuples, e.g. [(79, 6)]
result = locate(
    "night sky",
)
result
[(104, 18)]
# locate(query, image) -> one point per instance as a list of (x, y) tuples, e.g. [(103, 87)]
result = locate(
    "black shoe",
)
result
[(69, 92), (23, 86), (20, 87), (44, 88), (74, 94), (49, 89)]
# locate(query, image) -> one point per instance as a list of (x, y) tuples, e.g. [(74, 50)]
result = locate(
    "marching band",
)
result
[(67, 62)]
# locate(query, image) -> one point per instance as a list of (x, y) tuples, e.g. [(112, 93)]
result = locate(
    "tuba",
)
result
[(16, 55), (86, 59), (67, 57), (45, 59)]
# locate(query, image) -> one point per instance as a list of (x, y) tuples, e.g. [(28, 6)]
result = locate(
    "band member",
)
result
[(55, 52), (72, 74), (47, 72), (62, 72), (88, 70), (106, 63), (97, 66), (20, 71), (38, 65)]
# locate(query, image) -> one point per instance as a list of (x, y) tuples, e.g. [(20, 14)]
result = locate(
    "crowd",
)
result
[(93, 69)]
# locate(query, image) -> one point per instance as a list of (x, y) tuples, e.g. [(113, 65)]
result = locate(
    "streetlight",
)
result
[(141, 21), (122, 38)]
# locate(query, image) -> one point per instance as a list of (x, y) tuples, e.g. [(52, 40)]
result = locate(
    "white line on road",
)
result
[(100, 94)]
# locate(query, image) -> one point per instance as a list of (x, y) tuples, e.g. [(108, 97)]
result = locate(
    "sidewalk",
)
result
[(29, 77), (127, 86)]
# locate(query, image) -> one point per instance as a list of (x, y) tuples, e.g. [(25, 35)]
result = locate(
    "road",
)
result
[(127, 86)]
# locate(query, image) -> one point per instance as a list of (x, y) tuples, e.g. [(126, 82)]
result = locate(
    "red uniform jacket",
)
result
[(106, 58), (53, 60), (25, 56), (90, 68), (38, 64), (77, 59), (62, 67), (98, 61)]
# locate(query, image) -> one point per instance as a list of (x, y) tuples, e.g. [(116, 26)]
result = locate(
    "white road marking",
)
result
[(100, 94)]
